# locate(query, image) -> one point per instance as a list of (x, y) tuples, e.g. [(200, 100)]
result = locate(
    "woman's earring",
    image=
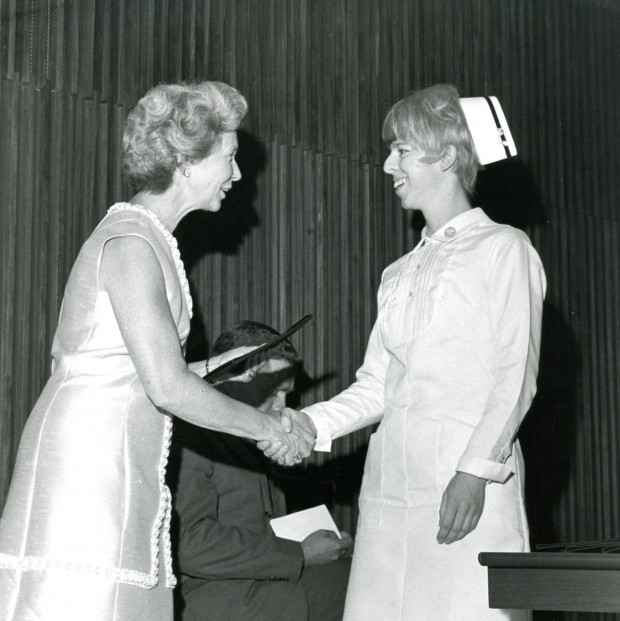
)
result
[(187, 172)]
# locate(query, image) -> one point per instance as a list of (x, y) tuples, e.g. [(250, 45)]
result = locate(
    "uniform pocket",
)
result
[(373, 465)]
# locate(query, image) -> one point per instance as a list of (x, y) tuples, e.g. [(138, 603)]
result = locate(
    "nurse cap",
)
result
[(488, 128)]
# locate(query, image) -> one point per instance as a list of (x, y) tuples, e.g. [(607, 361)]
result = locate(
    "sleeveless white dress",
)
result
[(85, 530)]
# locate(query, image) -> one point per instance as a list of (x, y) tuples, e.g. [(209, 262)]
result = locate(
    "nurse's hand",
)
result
[(286, 444), (461, 507), (292, 422)]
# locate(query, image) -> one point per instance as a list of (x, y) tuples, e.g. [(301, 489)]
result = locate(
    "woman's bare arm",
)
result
[(131, 275)]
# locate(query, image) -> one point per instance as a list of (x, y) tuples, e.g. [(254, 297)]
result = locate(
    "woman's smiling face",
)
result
[(415, 181), (214, 175)]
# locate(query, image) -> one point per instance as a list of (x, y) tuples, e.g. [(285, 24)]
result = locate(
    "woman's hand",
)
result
[(295, 438), (461, 507), (290, 418)]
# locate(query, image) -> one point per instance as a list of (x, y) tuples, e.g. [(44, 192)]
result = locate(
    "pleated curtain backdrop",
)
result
[(314, 221)]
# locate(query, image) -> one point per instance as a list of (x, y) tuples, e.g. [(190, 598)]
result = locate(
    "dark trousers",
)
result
[(318, 596)]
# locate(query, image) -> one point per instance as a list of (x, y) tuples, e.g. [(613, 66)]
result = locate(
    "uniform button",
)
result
[(450, 232)]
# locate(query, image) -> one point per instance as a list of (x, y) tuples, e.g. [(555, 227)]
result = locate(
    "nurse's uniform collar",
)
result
[(457, 226)]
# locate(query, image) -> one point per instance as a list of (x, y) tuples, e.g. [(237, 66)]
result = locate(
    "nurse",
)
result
[(450, 372)]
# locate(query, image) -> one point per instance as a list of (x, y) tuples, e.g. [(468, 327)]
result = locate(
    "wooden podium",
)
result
[(553, 580)]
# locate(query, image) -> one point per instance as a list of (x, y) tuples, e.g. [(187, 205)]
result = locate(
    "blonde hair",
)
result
[(174, 123), (431, 119)]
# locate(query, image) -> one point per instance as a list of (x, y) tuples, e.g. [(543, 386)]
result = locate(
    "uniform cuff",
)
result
[(323, 437), (484, 469)]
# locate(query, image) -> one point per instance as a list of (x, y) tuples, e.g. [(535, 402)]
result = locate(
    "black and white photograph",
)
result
[(309, 310)]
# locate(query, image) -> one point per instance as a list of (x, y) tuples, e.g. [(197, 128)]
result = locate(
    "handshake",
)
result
[(290, 437)]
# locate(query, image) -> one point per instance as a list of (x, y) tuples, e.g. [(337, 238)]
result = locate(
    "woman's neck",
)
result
[(166, 206), (446, 206)]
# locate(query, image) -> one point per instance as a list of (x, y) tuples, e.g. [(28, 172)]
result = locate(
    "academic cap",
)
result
[(231, 368)]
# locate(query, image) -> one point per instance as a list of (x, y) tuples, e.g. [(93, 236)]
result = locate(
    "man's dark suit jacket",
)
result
[(232, 566)]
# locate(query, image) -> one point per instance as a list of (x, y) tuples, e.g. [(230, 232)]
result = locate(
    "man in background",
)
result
[(231, 565)]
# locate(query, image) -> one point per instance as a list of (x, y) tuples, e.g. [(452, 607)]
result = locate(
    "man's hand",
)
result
[(324, 546), (293, 422), (461, 507)]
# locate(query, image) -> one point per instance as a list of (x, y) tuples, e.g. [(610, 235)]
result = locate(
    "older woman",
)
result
[(450, 371), (84, 535)]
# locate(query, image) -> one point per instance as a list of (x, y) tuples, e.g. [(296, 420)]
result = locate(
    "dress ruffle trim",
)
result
[(162, 522), (41, 563)]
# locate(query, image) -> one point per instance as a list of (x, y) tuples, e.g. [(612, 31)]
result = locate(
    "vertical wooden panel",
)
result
[(9, 106), (40, 227)]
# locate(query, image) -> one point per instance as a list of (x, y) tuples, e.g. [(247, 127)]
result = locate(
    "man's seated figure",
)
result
[(231, 565)]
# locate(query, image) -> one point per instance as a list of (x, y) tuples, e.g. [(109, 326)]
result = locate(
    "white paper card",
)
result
[(297, 526)]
